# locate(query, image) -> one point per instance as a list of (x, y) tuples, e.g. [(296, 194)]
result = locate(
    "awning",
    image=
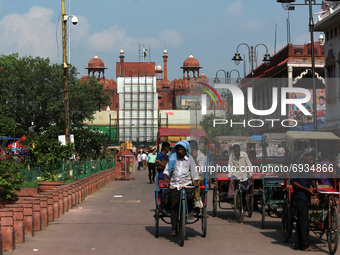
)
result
[(292, 136)]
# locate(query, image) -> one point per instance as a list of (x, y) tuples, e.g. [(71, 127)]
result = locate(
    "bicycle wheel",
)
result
[(182, 223), (263, 212), (204, 221), (333, 230), (214, 212), (250, 203), (157, 220), (287, 222), (238, 207)]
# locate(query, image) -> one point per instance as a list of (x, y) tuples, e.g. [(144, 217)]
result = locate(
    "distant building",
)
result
[(138, 101), (329, 23)]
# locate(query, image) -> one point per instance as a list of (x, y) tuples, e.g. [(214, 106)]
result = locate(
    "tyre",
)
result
[(250, 203), (333, 230), (182, 223), (263, 212), (287, 222), (238, 208), (214, 212), (156, 221), (204, 221)]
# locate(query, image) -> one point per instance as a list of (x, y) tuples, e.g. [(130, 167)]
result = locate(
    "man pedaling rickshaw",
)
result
[(181, 170)]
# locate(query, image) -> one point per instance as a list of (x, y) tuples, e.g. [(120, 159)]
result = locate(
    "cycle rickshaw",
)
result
[(272, 190), (162, 211), (323, 211), (243, 200)]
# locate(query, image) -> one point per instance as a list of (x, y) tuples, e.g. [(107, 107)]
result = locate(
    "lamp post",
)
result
[(252, 55), (65, 66), (310, 3), (227, 80), (252, 58)]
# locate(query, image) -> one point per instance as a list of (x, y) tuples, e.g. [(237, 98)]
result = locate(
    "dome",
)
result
[(159, 68), (165, 52), (96, 63), (191, 62), (203, 76), (121, 52)]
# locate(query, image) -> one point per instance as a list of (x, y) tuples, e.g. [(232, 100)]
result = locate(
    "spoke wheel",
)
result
[(263, 212), (182, 223), (238, 208), (333, 230), (287, 222), (214, 212), (157, 220), (204, 221), (250, 203)]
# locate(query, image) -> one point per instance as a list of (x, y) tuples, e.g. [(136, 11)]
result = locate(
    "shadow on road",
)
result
[(164, 233)]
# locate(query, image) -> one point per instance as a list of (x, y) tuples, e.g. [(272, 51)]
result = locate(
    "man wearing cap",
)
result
[(181, 170)]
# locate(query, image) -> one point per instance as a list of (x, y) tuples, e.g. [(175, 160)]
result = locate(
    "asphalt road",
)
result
[(118, 219)]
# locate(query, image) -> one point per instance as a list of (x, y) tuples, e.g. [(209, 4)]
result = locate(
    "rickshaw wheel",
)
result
[(287, 222), (238, 206), (157, 220), (214, 212), (250, 203), (263, 212), (204, 221), (333, 230), (182, 223)]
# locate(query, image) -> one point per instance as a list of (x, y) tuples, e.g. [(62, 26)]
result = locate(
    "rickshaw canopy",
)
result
[(292, 136), (234, 139), (273, 138)]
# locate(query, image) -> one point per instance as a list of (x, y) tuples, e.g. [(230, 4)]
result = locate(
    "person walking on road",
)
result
[(151, 159), (144, 157), (139, 160), (181, 170)]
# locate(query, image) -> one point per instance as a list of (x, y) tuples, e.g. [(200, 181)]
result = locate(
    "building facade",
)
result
[(329, 23)]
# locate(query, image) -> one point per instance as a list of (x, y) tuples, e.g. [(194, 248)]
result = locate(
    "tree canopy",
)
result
[(32, 91)]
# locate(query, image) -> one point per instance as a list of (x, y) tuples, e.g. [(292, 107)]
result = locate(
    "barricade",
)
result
[(36, 212), (18, 216), (28, 217), (7, 229)]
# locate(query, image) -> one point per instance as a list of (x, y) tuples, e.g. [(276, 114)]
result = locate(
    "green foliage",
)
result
[(10, 177), (45, 152), (88, 143), (223, 130), (32, 91)]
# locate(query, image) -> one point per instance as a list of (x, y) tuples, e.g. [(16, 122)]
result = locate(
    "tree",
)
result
[(223, 129), (32, 91)]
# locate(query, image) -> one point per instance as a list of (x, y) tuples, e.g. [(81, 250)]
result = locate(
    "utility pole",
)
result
[(65, 68)]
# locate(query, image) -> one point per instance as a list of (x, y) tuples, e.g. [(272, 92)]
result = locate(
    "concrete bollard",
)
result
[(36, 212), (18, 216), (43, 210), (50, 207), (28, 217), (7, 229)]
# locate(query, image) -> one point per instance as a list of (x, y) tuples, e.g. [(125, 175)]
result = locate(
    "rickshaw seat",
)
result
[(327, 188), (161, 184), (222, 177)]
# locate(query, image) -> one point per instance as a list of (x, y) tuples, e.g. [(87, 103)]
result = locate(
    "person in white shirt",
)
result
[(199, 158), (182, 172), (144, 157), (240, 168), (139, 159)]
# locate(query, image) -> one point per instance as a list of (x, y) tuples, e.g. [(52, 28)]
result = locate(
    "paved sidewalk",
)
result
[(118, 219)]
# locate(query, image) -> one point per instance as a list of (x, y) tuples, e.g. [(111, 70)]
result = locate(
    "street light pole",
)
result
[(65, 68), (311, 30)]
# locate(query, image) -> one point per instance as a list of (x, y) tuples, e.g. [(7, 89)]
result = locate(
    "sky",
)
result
[(209, 30)]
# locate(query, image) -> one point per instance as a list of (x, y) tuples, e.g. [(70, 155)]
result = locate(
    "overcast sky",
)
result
[(209, 30)]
